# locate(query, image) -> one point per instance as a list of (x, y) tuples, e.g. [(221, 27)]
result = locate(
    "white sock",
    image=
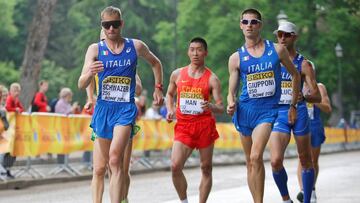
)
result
[(287, 201), (184, 201)]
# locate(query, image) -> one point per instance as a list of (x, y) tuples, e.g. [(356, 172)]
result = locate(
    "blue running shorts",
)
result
[(301, 126), (106, 117), (247, 117), (317, 134)]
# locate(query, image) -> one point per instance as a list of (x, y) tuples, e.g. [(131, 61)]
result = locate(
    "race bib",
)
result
[(190, 101), (116, 89), (261, 84), (191, 106), (286, 92), (311, 110)]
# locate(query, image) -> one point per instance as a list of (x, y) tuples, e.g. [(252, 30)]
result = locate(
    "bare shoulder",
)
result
[(234, 60), (139, 44), (175, 74)]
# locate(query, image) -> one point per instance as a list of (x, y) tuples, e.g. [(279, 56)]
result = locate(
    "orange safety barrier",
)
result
[(39, 133)]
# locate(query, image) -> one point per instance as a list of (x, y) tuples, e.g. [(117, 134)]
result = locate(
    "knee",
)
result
[(206, 169), (256, 160), (115, 163), (305, 160), (176, 168), (99, 170), (277, 163)]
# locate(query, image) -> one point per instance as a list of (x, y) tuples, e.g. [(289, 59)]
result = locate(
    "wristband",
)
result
[(159, 86), (293, 105)]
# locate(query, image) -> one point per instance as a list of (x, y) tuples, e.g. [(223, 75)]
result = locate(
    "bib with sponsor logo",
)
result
[(116, 83), (116, 89), (286, 80), (260, 76), (191, 93), (311, 110), (261, 84)]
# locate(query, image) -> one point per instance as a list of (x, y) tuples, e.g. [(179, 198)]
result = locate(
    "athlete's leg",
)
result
[(179, 155), (100, 161), (307, 173), (246, 143), (127, 159), (206, 155), (278, 143), (116, 162), (315, 152), (256, 170)]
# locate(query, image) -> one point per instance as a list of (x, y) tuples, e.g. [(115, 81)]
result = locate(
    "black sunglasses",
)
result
[(285, 34), (251, 22), (107, 24)]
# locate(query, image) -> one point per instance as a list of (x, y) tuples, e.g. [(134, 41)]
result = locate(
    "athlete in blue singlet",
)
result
[(280, 136), (98, 158), (257, 66), (317, 134), (114, 61)]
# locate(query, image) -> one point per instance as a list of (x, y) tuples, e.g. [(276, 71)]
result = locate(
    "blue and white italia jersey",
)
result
[(260, 77), (314, 114), (116, 84), (286, 81)]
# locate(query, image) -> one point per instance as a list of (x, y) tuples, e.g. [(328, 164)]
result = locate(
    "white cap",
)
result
[(287, 27)]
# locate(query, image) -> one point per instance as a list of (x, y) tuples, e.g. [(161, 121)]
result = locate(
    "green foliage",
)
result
[(7, 27), (57, 77), (9, 73)]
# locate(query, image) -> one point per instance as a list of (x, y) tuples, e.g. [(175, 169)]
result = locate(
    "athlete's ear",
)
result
[(206, 53)]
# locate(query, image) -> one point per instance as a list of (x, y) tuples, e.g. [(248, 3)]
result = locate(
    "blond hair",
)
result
[(111, 10), (14, 86), (64, 92)]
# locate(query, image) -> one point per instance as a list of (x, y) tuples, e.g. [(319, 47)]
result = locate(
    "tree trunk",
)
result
[(35, 49)]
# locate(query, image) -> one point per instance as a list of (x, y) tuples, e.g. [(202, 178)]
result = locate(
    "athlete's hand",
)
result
[(292, 115), (206, 105), (170, 116), (88, 105), (96, 67), (158, 96), (231, 108)]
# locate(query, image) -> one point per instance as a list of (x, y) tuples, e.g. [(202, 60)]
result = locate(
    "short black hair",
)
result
[(199, 40), (252, 11)]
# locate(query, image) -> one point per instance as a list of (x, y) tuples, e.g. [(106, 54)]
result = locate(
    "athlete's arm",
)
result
[(91, 67), (170, 95), (313, 95), (90, 95), (290, 67), (218, 106), (324, 105), (233, 65), (138, 88), (144, 51)]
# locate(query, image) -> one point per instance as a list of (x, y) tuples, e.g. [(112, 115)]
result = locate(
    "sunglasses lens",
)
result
[(250, 22), (254, 22), (285, 34), (107, 24)]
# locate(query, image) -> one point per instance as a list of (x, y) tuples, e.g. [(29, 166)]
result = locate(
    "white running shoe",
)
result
[(313, 197)]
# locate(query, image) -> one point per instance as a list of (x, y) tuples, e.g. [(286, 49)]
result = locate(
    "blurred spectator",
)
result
[(163, 110), (63, 106), (40, 103), (153, 112), (6, 160), (12, 101), (4, 95), (142, 103)]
